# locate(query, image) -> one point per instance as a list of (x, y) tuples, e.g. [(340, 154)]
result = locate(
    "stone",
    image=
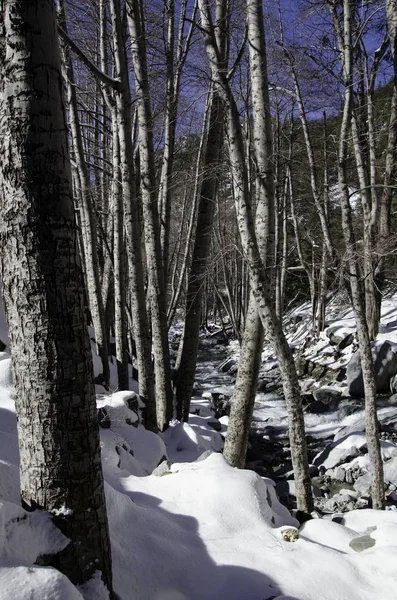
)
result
[(390, 471), (132, 402), (385, 364), (326, 394), (162, 468), (317, 408), (359, 544), (215, 425), (204, 455), (338, 336), (340, 474), (290, 534), (346, 341), (393, 384), (330, 505), (392, 400), (363, 485), (362, 503), (226, 365)]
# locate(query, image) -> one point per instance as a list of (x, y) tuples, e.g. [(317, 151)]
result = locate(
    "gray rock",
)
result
[(215, 425), (362, 503), (340, 474), (162, 468), (227, 365), (204, 455), (330, 506), (393, 399), (393, 384), (385, 365), (363, 485), (361, 543), (326, 394), (343, 498), (347, 341), (390, 471)]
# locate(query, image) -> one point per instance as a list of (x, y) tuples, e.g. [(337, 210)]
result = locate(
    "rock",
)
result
[(363, 485), (393, 384), (385, 365), (333, 456), (392, 400), (390, 471), (226, 365), (163, 468), (290, 534), (326, 394), (330, 506), (6, 376), (340, 474), (339, 336), (346, 341), (132, 402), (361, 543), (204, 455), (351, 493), (215, 425), (362, 503)]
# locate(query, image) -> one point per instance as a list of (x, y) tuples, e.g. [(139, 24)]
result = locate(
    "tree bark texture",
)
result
[(43, 291), (187, 358), (132, 224), (356, 287), (258, 278), (155, 266)]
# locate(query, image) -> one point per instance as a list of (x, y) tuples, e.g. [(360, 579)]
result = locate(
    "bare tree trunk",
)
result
[(371, 422), (156, 291), (258, 274), (88, 216), (174, 72), (43, 290), (186, 366), (132, 224)]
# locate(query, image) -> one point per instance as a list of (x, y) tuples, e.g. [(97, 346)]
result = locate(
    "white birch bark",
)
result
[(156, 291), (371, 422), (258, 277)]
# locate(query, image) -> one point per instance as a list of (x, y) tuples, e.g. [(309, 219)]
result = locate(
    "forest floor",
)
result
[(188, 529)]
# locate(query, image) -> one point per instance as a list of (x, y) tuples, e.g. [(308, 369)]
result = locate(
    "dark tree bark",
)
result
[(43, 292), (187, 359)]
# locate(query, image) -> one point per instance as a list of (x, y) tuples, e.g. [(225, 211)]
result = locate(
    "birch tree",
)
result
[(60, 463), (354, 274), (187, 357), (258, 276)]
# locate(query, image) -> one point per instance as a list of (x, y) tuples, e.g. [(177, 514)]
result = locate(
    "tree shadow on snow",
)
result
[(179, 564)]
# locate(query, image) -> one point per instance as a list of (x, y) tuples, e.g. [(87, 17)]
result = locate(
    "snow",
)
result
[(203, 530)]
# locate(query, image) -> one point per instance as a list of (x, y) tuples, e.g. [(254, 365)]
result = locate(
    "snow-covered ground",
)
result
[(195, 529)]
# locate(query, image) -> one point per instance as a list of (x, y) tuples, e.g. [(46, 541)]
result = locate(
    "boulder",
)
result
[(363, 485), (226, 365), (390, 471), (163, 468), (339, 336), (326, 394), (385, 365), (361, 543)]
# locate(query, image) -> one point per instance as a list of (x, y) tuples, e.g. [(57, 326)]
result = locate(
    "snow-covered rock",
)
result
[(385, 364)]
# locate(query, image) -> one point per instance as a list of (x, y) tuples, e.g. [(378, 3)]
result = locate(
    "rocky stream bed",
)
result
[(334, 424)]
